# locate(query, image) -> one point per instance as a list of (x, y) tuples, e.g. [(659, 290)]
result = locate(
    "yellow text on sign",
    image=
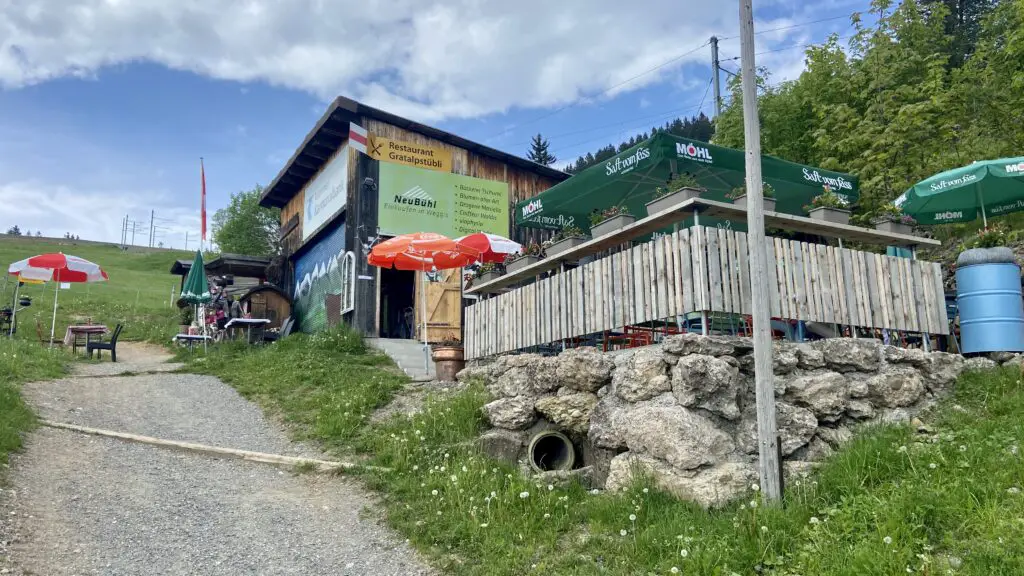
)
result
[(410, 154)]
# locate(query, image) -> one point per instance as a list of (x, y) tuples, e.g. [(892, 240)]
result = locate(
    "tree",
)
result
[(245, 227), (39, 234), (539, 152), (14, 230)]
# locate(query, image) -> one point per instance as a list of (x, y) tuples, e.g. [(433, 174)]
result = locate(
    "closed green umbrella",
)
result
[(196, 290), (985, 188)]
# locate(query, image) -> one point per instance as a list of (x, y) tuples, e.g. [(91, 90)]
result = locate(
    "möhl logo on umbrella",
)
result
[(1017, 168), (416, 196), (693, 152)]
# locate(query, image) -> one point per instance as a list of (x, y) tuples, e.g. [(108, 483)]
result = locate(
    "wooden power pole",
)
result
[(767, 439)]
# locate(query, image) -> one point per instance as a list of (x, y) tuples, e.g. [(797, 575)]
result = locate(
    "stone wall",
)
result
[(684, 410)]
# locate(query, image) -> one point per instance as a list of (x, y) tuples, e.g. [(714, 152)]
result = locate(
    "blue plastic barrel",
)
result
[(991, 308)]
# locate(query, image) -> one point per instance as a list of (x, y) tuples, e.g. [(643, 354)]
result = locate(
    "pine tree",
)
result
[(539, 152)]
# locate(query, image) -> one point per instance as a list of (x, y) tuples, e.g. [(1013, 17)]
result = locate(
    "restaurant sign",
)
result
[(409, 153), (414, 200)]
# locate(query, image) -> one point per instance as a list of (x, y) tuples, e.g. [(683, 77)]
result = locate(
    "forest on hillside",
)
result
[(930, 86), (696, 127)]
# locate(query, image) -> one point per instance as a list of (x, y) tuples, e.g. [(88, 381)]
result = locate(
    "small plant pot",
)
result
[(449, 361), (489, 276), (520, 263), (671, 200), (612, 224), (183, 329), (833, 215), (563, 245), (893, 226), (769, 203)]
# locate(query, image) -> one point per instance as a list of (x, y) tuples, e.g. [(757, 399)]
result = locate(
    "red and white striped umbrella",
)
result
[(59, 268), (493, 248)]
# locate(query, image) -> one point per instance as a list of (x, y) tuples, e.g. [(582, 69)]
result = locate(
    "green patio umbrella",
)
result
[(196, 290), (985, 188), (630, 178)]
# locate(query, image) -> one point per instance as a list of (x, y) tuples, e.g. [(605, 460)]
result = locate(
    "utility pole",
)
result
[(716, 72), (124, 229), (767, 430), (152, 215), (186, 240)]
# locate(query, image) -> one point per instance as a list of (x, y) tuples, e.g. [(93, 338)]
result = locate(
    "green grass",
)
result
[(137, 294), (942, 503), (21, 362)]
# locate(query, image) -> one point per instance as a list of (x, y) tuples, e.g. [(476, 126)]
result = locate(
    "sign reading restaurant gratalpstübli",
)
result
[(414, 200), (409, 153)]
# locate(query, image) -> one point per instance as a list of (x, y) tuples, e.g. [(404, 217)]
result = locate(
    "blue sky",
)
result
[(105, 108)]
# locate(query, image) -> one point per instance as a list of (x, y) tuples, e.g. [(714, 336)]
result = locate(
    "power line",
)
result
[(706, 88), (780, 49), (602, 92), (790, 27)]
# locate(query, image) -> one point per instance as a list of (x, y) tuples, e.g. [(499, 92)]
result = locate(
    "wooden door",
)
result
[(444, 307)]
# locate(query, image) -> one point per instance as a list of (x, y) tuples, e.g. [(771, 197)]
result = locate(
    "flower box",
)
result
[(563, 245), (833, 215), (489, 276), (769, 203), (520, 263), (671, 200), (894, 226), (612, 224)]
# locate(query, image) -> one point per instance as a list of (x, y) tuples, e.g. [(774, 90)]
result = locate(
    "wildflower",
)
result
[(645, 490), (464, 469), (1013, 490), (494, 494), (415, 468), (524, 495), (484, 525), (887, 540), (755, 487), (454, 478), (903, 449), (674, 570), (442, 468), (438, 512), (933, 465), (433, 492), (494, 470), (595, 491), (814, 520), (445, 454), (764, 529), (963, 448), (622, 532), (550, 487), (753, 503), (632, 517), (546, 516), (684, 552)]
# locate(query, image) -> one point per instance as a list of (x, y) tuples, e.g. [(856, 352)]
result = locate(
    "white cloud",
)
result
[(457, 59)]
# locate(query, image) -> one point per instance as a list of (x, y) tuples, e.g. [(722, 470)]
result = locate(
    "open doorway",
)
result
[(397, 299)]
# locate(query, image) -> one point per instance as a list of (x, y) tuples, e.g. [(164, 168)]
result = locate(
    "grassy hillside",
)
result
[(137, 295)]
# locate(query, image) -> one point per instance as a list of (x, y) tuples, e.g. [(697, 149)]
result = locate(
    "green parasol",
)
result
[(196, 289), (988, 188), (630, 177)]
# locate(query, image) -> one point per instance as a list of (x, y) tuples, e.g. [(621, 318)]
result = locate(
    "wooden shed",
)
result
[(267, 301), (337, 200)]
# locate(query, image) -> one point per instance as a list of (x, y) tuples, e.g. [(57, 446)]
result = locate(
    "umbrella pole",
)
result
[(426, 354), (981, 202), (56, 296), (14, 309)]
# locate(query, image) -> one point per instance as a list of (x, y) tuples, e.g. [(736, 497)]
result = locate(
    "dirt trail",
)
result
[(87, 505)]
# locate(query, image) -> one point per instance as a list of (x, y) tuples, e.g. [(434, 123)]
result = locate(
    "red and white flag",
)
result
[(357, 136), (202, 207)]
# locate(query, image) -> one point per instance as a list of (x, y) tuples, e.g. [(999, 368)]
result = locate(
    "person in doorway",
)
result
[(408, 323)]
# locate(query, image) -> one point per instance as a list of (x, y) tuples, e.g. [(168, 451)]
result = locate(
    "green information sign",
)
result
[(418, 200)]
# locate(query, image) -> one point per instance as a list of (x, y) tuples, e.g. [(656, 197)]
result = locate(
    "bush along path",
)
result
[(893, 501), (85, 504)]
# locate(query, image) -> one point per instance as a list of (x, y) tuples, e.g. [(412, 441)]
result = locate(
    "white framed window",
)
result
[(348, 282)]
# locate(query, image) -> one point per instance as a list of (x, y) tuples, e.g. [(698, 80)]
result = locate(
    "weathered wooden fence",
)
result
[(703, 269)]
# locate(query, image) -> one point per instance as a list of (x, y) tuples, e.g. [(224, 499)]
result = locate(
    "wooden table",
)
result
[(87, 330), (248, 323)]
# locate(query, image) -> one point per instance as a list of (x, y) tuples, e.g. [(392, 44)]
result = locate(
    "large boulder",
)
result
[(796, 426), (570, 411), (692, 343), (824, 393), (585, 369), (896, 386), (486, 372), (700, 381), (677, 435), (502, 445), (604, 429), (709, 487), (940, 370), (640, 374), (897, 355), (785, 357), (515, 413), (526, 375), (851, 354), (809, 358)]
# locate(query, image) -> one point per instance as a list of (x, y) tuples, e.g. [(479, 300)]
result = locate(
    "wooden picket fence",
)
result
[(703, 269)]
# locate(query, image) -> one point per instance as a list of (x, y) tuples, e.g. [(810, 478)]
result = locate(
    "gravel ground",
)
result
[(81, 504), (134, 357)]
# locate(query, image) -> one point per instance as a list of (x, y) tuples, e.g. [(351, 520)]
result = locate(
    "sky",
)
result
[(106, 106)]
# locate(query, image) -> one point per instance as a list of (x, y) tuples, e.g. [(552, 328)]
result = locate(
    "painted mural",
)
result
[(317, 275)]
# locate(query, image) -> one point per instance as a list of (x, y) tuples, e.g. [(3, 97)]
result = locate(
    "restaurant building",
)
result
[(362, 175)]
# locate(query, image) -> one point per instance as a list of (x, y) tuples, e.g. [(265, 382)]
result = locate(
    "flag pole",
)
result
[(202, 204)]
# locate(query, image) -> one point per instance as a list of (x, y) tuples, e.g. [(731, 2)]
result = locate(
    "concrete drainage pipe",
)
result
[(551, 450)]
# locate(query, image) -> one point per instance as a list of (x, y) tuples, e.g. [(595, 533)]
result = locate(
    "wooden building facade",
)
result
[(328, 196)]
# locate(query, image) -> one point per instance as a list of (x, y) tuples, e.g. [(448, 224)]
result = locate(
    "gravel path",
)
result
[(88, 505)]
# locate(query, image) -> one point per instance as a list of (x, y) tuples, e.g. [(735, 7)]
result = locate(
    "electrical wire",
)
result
[(798, 25)]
